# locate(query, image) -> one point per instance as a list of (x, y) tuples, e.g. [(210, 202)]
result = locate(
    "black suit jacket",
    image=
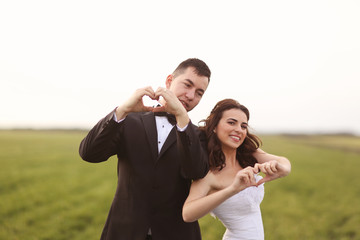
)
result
[(151, 187)]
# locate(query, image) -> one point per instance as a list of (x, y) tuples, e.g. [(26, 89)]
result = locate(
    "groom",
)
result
[(156, 159)]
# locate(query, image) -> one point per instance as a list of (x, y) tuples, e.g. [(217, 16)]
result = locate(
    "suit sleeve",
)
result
[(102, 141), (193, 155)]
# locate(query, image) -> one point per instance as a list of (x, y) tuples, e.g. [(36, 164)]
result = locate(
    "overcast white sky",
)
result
[(294, 64)]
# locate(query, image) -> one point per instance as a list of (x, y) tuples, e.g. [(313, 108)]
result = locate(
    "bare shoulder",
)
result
[(215, 180), (209, 182), (205, 181)]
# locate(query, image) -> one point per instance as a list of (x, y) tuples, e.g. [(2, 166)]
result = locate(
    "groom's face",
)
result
[(188, 87)]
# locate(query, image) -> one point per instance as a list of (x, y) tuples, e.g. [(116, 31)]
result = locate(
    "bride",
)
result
[(232, 190)]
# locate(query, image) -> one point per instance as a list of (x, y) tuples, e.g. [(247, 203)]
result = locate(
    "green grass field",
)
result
[(47, 192)]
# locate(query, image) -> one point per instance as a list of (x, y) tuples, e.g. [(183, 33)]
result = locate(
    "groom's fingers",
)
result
[(163, 92), (148, 91), (159, 109), (141, 92), (170, 98)]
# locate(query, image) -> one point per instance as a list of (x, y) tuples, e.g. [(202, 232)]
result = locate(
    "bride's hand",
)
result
[(272, 170), (243, 179)]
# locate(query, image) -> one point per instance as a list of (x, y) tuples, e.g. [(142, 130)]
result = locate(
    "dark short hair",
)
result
[(201, 69), (244, 153)]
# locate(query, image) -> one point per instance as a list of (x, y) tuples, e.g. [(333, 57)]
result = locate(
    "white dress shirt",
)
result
[(163, 128)]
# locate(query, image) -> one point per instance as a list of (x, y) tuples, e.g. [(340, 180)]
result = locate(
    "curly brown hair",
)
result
[(244, 153)]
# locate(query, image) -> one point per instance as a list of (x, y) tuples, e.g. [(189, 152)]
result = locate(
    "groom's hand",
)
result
[(171, 104), (135, 102)]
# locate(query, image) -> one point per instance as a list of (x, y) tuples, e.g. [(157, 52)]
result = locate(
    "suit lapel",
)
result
[(151, 133), (169, 141)]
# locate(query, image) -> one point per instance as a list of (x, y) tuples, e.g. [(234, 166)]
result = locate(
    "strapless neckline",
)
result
[(241, 214)]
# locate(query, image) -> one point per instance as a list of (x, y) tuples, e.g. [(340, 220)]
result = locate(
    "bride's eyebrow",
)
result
[(232, 119)]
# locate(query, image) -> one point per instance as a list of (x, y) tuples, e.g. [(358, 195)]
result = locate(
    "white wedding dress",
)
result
[(241, 214)]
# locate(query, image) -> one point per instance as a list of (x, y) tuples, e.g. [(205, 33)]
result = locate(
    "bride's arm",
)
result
[(200, 202)]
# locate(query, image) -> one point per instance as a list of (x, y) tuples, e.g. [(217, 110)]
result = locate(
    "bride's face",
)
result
[(232, 128)]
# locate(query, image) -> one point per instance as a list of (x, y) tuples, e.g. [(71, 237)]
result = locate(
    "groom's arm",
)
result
[(192, 151), (102, 140)]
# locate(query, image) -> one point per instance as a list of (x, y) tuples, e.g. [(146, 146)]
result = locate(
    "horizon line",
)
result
[(338, 133)]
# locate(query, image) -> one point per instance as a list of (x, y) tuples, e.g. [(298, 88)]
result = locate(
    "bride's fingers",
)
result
[(268, 168), (261, 181), (246, 177), (253, 180), (256, 168), (251, 177), (261, 167), (265, 168), (274, 166)]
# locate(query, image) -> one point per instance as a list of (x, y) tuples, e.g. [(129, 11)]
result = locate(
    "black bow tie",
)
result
[(171, 118)]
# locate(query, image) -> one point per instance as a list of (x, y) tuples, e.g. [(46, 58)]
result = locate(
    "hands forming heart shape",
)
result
[(148, 102), (271, 171), (169, 102), (161, 100)]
